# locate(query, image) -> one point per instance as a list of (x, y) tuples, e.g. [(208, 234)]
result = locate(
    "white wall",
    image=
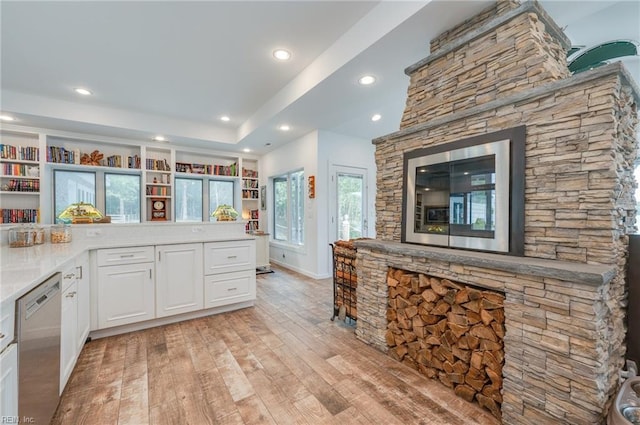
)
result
[(316, 152), (299, 154), (340, 150)]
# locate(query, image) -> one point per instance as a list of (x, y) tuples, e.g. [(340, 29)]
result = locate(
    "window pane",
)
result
[(71, 187), (280, 208), (220, 192), (122, 197), (350, 189), (188, 199), (297, 208)]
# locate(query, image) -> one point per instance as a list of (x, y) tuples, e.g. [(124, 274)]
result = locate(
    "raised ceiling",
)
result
[(173, 67)]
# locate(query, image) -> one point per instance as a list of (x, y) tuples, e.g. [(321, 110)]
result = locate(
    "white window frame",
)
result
[(290, 239)]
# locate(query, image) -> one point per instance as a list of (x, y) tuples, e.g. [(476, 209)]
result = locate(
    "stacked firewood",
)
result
[(345, 278), (448, 331)]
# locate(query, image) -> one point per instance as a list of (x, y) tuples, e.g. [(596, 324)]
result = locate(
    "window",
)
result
[(288, 191), (188, 199), (122, 197), (220, 192), (71, 187)]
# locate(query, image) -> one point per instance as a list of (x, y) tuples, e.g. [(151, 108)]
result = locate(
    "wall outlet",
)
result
[(92, 233), (197, 229)]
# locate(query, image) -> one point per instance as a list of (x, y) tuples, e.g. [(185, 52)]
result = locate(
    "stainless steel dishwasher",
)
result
[(38, 331)]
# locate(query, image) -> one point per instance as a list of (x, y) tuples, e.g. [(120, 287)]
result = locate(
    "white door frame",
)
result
[(334, 170)]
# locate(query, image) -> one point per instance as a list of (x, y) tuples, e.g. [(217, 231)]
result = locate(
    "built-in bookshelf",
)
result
[(31, 158), (253, 222), (250, 195), (19, 177)]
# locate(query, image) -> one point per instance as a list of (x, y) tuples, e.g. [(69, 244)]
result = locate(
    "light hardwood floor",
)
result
[(280, 362)]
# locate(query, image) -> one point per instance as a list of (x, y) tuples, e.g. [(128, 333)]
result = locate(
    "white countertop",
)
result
[(22, 269)]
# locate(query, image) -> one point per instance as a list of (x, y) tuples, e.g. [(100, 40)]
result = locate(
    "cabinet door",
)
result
[(68, 333), (179, 279), (125, 294), (223, 257), (7, 323), (9, 382), (84, 300), (229, 288)]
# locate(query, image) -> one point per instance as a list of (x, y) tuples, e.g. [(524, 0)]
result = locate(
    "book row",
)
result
[(21, 153), (157, 190), (15, 185), (251, 174), (216, 170), (157, 164), (20, 215), (20, 170)]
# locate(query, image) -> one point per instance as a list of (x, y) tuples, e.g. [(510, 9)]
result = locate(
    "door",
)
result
[(68, 333), (9, 382), (125, 294), (348, 203), (179, 279), (84, 300)]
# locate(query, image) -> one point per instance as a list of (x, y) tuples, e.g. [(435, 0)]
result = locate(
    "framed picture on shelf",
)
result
[(263, 198)]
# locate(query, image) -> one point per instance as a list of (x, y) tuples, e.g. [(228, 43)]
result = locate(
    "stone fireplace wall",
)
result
[(565, 336), (557, 337)]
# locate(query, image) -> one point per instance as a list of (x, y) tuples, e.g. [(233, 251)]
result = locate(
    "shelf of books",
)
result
[(19, 177)]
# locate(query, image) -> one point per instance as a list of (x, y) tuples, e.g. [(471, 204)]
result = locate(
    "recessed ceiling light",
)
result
[(7, 118), (159, 139), (367, 80), (284, 127), (82, 91), (281, 54), (246, 150), (376, 117), (225, 118)]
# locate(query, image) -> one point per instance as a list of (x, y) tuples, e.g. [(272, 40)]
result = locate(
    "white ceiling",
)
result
[(174, 67)]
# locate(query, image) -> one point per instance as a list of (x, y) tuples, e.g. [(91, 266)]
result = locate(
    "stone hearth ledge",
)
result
[(592, 274)]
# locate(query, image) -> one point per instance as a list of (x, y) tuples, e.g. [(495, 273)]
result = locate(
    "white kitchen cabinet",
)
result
[(68, 332), (262, 251), (84, 299), (229, 288), (230, 272), (74, 321), (179, 279), (9, 382), (125, 294), (223, 257), (7, 324)]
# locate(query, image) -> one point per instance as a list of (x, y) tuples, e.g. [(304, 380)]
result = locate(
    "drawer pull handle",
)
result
[(71, 294), (232, 289), (232, 256), (2, 335), (127, 256), (69, 276)]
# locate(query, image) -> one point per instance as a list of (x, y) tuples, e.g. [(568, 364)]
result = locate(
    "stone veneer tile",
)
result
[(564, 302)]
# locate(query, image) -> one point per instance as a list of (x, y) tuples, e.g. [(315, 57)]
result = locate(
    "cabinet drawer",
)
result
[(133, 255), (7, 324), (229, 288), (223, 257), (68, 277)]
